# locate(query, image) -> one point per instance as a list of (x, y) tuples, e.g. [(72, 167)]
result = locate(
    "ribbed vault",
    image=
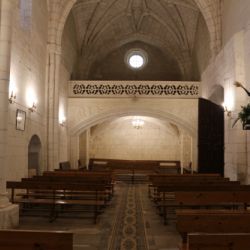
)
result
[(104, 25)]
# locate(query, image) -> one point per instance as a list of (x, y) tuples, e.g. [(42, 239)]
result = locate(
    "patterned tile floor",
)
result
[(130, 222)]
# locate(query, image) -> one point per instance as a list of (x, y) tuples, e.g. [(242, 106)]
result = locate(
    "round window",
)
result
[(136, 59)]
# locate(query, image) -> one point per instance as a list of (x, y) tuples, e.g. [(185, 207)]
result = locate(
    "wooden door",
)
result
[(210, 138)]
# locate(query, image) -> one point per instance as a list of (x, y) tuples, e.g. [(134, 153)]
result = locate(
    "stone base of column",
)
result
[(9, 213), (9, 216)]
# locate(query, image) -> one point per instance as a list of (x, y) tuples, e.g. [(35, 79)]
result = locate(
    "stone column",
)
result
[(74, 151), (186, 150), (53, 68), (87, 147), (9, 213), (182, 153), (194, 153)]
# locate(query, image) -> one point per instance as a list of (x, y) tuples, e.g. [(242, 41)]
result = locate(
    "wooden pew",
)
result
[(105, 177), (64, 165), (169, 196), (87, 180), (35, 240), (212, 221), (57, 194), (184, 180), (161, 180), (229, 241), (228, 195), (163, 188), (135, 167)]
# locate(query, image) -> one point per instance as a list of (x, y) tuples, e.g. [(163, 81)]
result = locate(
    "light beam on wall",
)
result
[(137, 122), (229, 96), (31, 99), (12, 92), (62, 118)]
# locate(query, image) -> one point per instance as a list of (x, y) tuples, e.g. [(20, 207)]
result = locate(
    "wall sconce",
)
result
[(12, 97), (33, 107), (62, 121), (227, 111)]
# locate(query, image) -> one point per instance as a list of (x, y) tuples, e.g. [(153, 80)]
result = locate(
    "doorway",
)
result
[(34, 156)]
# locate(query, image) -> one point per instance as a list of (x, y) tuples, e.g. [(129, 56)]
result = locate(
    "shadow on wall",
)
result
[(34, 156)]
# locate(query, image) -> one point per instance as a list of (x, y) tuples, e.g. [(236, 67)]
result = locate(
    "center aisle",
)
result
[(137, 225), (129, 227), (158, 235), (130, 222)]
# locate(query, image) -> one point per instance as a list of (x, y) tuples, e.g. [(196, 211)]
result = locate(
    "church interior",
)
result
[(124, 124)]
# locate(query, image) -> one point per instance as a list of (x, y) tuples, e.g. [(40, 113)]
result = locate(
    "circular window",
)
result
[(136, 59)]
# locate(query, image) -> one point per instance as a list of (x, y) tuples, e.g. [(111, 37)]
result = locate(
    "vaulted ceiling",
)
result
[(104, 26)]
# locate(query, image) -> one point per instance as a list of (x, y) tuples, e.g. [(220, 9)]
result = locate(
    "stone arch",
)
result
[(206, 7), (62, 20), (34, 155), (213, 22), (83, 125), (94, 120)]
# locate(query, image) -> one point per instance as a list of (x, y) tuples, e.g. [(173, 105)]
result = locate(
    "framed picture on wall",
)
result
[(20, 119)]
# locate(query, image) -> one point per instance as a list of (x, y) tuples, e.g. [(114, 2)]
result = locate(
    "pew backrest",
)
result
[(35, 240), (236, 241)]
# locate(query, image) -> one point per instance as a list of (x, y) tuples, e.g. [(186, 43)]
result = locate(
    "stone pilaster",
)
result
[(74, 151), (88, 135), (53, 67), (9, 215)]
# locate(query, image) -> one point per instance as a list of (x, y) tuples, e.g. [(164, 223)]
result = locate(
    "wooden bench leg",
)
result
[(53, 213)]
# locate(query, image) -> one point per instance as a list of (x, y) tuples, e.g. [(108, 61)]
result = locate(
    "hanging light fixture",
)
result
[(137, 122)]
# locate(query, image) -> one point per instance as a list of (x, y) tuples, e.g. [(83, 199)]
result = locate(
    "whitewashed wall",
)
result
[(27, 76)]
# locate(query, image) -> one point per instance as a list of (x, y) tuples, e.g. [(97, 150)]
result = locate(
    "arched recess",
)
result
[(84, 125), (34, 156)]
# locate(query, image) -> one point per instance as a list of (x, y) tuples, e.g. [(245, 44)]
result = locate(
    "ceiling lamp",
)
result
[(137, 122)]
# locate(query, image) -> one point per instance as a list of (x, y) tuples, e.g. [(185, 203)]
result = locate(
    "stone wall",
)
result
[(227, 68), (118, 139), (27, 79), (230, 65)]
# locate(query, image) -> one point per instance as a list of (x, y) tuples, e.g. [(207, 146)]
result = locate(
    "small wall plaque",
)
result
[(20, 119)]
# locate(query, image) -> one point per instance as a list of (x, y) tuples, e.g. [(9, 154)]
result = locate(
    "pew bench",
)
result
[(212, 241), (109, 186), (169, 197), (212, 221), (161, 179), (105, 177), (35, 240), (59, 198), (134, 170)]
